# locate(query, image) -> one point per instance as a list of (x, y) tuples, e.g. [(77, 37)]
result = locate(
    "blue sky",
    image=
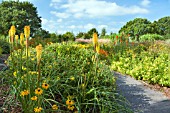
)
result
[(82, 15)]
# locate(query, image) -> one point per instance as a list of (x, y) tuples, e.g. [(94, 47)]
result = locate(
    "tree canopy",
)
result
[(140, 26), (19, 14)]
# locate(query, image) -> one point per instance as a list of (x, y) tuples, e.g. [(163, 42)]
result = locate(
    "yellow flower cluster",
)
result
[(24, 93), (34, 98), (33, 72), (55, 107), (70, 103), (37, 109)]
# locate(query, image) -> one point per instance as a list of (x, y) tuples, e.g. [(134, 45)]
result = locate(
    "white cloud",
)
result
[(59, 20), (89, 26), (145, 3), (60, 15), (56, 1), (96, 8)]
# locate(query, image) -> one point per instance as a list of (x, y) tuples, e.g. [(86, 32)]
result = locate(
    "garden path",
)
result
[(142, 98)]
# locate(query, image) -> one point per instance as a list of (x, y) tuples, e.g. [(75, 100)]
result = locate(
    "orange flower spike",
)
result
[(27, 31), (117, 37)]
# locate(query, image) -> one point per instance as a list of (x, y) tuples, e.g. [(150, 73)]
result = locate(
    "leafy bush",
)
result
[(5, 46), (148, 64), (151, 37), (0, 51)]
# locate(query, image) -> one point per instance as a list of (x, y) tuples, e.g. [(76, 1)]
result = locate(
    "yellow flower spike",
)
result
[(98, 48), (95, 38), (45, 85), (27, 31), (39, 52), (55, 107), (34, 98), (37, 109), (16, 38), (22, 39), (12, 31), (38, 91)]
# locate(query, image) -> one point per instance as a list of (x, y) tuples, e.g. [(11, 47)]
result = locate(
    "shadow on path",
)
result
[(141, 98)]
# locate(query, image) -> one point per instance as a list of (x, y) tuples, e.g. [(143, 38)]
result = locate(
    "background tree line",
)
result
[(21, 14)]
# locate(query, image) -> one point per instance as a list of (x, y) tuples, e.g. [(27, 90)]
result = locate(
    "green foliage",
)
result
[(68, 36), (73, 73), (0, 51), (80, 35), (90, 33), (19, 14), (138, 26), (144, 63), (4, 45), (151, 37), (42, 33), (163, 26), (103, 33), (55, 38)]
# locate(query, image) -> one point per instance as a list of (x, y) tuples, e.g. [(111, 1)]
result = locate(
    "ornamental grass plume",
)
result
[(39, 52), (27, 31)]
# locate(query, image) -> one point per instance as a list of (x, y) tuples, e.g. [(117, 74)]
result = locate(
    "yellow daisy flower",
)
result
[(34, 98), (45, 85), (54, 107), (38, 91), (69, 102), (37, 109), (24, 93), (70, 107)]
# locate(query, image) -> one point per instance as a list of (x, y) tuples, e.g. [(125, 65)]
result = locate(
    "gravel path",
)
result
[(142, 98)]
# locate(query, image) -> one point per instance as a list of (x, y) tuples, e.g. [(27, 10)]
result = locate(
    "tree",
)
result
[(42, 33), (163, 26), (68, 36), (90, 33), (19, 14), (80, 35), (103, 33), (136, 27)]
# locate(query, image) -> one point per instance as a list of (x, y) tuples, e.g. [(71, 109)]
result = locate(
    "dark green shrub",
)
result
[(5, 46)]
